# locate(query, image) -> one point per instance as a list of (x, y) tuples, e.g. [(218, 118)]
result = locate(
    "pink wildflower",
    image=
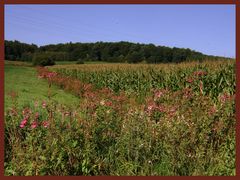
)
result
[(200, 73), (23, 122), (225, 97), (158, 94), (45, 124), (150, 107), (44, 104), (22, 125), (108, 103), (34, 124), (189, 80), (51, 74), (66, 113)]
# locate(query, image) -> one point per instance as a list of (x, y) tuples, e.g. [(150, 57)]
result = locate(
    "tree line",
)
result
[(101, 51)]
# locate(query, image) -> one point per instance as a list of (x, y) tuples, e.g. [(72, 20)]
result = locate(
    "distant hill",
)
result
[(104, 51)]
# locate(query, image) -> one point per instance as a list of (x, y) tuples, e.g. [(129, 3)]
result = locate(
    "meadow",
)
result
[(120, 119)]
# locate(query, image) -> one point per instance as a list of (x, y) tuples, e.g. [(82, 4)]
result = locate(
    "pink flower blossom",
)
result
[(22, 125), (200, 73), (224, 97), (189, 80), (158, 94), (66, 113), (34, 124), (150, 107), (23, 122), (51, 74), (45, 124), (108, 103), (44, 104)]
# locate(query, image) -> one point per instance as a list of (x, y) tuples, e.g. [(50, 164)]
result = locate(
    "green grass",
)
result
[(65, 62), (18, 63), (98, 62), (75, 62), (24, 81)]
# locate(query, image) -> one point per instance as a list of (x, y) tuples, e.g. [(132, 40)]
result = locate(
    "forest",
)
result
[(121, 52)]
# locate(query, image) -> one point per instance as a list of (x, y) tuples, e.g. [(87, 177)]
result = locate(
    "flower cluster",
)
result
[(199, 73), (32, 119), (44, 73), (24, 122), (225, 97)]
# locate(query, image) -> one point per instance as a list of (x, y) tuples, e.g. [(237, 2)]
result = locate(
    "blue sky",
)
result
[(206, 28)]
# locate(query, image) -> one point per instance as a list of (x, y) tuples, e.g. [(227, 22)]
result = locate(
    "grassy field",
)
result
[(120, 119), (22, 63), (65, 62), (24, 81)]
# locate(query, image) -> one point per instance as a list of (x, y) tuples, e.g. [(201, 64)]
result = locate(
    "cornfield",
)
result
[(215, 77)]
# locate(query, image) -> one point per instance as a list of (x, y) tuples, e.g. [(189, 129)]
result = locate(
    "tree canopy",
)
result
[(102, 51)]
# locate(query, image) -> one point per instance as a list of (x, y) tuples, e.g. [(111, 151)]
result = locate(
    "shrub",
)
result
[(43, 59), (80, 61)]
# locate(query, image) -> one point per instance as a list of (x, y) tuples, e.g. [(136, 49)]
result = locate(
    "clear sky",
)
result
[(206, 28)]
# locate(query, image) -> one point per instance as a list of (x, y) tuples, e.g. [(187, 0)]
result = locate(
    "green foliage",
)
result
[(140, 79), (43, 59), (180, 127), (105, 51), (191, 142), (134, 57), (15, 50), (80, 61)]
